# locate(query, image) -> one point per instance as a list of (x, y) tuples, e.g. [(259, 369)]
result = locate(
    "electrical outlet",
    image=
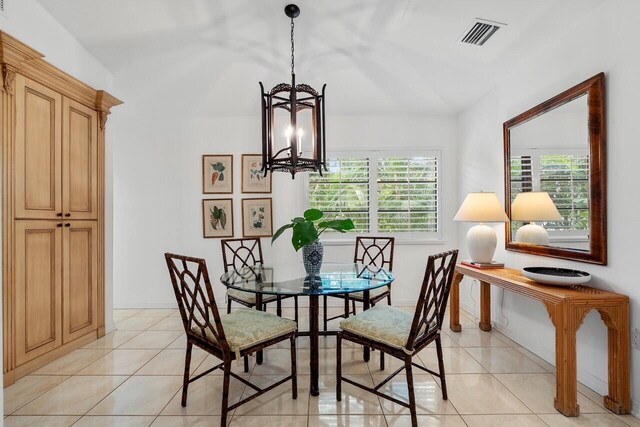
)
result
[(635, 338)]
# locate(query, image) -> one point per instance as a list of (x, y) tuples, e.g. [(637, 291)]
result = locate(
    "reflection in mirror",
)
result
[(550, 160), (555, 176), (532, 207)]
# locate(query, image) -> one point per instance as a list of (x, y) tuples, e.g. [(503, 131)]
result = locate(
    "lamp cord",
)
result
[(506, 325), (292, 49), (473, 300)]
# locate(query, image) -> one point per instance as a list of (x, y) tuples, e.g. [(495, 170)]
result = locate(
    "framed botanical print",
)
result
[(257, 218), (217, 218), (253, 179), (217, 174)]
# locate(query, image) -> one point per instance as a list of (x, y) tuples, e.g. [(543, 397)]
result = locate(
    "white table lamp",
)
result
[(534, 206), (481, 239)]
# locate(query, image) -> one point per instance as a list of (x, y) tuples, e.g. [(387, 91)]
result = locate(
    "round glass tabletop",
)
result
[(334, 278)]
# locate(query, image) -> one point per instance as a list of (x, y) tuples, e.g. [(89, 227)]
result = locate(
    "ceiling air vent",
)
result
[(479, 32), (2, 5)]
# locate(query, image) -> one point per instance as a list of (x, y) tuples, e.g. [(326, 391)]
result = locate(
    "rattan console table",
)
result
[(567, 307)]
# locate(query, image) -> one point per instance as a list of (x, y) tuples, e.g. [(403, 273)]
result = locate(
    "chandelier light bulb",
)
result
[(300, 133)]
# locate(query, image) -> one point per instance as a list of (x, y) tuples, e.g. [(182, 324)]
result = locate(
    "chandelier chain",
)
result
[(292, 48)]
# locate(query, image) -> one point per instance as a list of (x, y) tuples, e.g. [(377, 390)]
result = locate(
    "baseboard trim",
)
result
[(110, 328), (635, 408)]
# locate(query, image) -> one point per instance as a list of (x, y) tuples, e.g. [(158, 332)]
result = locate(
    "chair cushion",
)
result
[(246, 328), (359, 296), (249, 297), (382, 323)]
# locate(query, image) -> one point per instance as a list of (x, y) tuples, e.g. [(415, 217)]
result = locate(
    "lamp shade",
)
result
[(481, 207), (534, 206)]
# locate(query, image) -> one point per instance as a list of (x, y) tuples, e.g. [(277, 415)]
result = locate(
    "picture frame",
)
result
[(217, 173), (253, 179), (217, 218), (257, 217)]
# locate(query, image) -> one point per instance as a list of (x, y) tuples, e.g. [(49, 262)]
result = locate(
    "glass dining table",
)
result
[(288, 280)]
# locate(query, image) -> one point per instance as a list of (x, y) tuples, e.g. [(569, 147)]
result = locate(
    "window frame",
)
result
[(411, 237)]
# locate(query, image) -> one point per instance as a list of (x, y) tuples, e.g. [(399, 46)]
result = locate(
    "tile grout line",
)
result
[(512, 393), (543, 421), (46, 391), (606, 411), (156, 355), (113, 375), (129, 316), (179, 389), (500, 382), (361, 349), (113, 332), (440, 385), (233, 414), (546, 372), (69, 376)]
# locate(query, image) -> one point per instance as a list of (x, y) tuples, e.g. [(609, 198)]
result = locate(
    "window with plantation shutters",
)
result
[(343, 190), (565, 177), (521, 175), (407, 194), (380, 191)]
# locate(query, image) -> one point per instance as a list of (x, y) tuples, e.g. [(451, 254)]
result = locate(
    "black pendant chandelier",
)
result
[(293, 130)]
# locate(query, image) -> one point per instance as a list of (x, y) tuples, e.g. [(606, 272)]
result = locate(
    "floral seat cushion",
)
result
[(246, 328), (373, 293), (249, 297), (382, 323)]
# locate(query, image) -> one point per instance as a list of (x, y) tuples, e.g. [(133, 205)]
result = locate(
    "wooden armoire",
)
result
[(52, 131)]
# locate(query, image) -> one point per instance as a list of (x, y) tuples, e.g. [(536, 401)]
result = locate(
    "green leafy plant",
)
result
[(218, 216), (306, 229)]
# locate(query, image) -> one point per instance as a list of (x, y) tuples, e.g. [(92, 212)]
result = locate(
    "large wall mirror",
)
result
[(555, 176)]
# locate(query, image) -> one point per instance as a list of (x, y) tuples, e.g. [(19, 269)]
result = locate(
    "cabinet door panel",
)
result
[(79, 161), (38, 288), (80, 279), (38, 186)]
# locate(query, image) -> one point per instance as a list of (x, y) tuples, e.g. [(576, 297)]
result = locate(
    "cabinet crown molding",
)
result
[(104, 101), (17, 56), (13, 52)]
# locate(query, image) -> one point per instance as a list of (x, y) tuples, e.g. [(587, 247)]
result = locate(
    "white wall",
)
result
[(30, 23), (158, 193), (599, 43), (27, 21)]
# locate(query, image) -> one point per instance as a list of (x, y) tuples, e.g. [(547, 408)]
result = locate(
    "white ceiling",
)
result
[(206, 57)]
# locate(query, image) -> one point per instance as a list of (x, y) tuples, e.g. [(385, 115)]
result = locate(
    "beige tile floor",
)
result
[(132, 378)]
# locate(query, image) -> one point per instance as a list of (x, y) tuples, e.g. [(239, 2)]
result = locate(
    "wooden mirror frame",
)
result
[(594, 88)]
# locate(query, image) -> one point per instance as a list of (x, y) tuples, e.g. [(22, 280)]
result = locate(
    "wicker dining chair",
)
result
[(401, 334), (228, 337), (247, 253), (373, 251)]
